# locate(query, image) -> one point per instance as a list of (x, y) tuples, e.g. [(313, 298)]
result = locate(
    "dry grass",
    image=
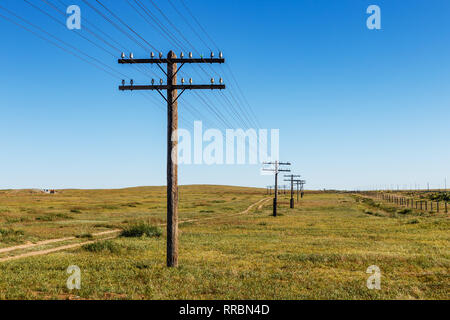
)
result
[(320, 250)]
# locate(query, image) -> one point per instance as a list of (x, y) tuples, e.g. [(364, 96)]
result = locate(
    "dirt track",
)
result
[(259, 203)]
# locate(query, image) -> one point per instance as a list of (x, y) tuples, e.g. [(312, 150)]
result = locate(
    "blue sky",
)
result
[(356, 108)]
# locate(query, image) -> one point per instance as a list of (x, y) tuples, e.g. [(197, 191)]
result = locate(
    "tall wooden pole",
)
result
[(172, 164), (172, 126), (276, 190)]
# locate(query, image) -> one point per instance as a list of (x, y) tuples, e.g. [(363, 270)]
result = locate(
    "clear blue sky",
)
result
[(356, 108)]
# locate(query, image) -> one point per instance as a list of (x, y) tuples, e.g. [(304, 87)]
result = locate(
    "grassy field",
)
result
[(320, 250)]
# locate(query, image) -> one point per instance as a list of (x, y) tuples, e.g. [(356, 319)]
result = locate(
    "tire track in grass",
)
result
[(47, 251), (261, 203), (51, 241)]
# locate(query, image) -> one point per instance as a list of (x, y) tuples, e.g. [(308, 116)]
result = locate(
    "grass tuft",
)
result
[(53, 217), (404, 211), (102, 246), (10, 235), (84, 236), (10, 232), (371, 213), (140, 230)]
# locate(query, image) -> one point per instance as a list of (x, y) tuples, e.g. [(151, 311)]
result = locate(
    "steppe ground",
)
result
[(319, 250)]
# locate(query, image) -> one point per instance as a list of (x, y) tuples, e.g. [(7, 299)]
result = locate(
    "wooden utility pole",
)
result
[(291, 180), (171, 98), (300, 184), (276, 169), (172, 163)]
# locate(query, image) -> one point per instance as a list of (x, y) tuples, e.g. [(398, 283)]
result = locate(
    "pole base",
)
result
[(292, 203)]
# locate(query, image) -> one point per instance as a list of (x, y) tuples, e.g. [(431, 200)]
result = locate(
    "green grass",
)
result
[(11, 236), (319, 250), (102, 246), (140, 230)]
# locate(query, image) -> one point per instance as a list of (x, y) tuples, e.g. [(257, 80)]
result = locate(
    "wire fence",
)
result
[(424, 205)]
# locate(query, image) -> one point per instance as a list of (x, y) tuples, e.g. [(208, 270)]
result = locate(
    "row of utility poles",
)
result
[(276, 168), (282, 188), (171, 97)]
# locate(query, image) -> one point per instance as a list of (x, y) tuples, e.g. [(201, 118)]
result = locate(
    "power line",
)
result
[(198, 23), (190, 26), (61, 41)]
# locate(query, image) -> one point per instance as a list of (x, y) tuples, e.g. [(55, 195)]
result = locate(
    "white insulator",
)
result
[(212, 80), (182, 55), (161, 81), (131, 55), (190, 80), (190, 55), (212, 55), (220, 55), (153, 81), (152, 55), (221, 81), (160, 55), (123, 55), (182, 80)]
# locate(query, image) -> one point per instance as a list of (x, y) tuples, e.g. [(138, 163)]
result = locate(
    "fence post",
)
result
[(446, 207), (437, 205)]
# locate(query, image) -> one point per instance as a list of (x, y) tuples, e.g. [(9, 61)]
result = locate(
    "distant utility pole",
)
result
[(171, 98), (297, 182), (291, 180), (300, 184), (276, 170)]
